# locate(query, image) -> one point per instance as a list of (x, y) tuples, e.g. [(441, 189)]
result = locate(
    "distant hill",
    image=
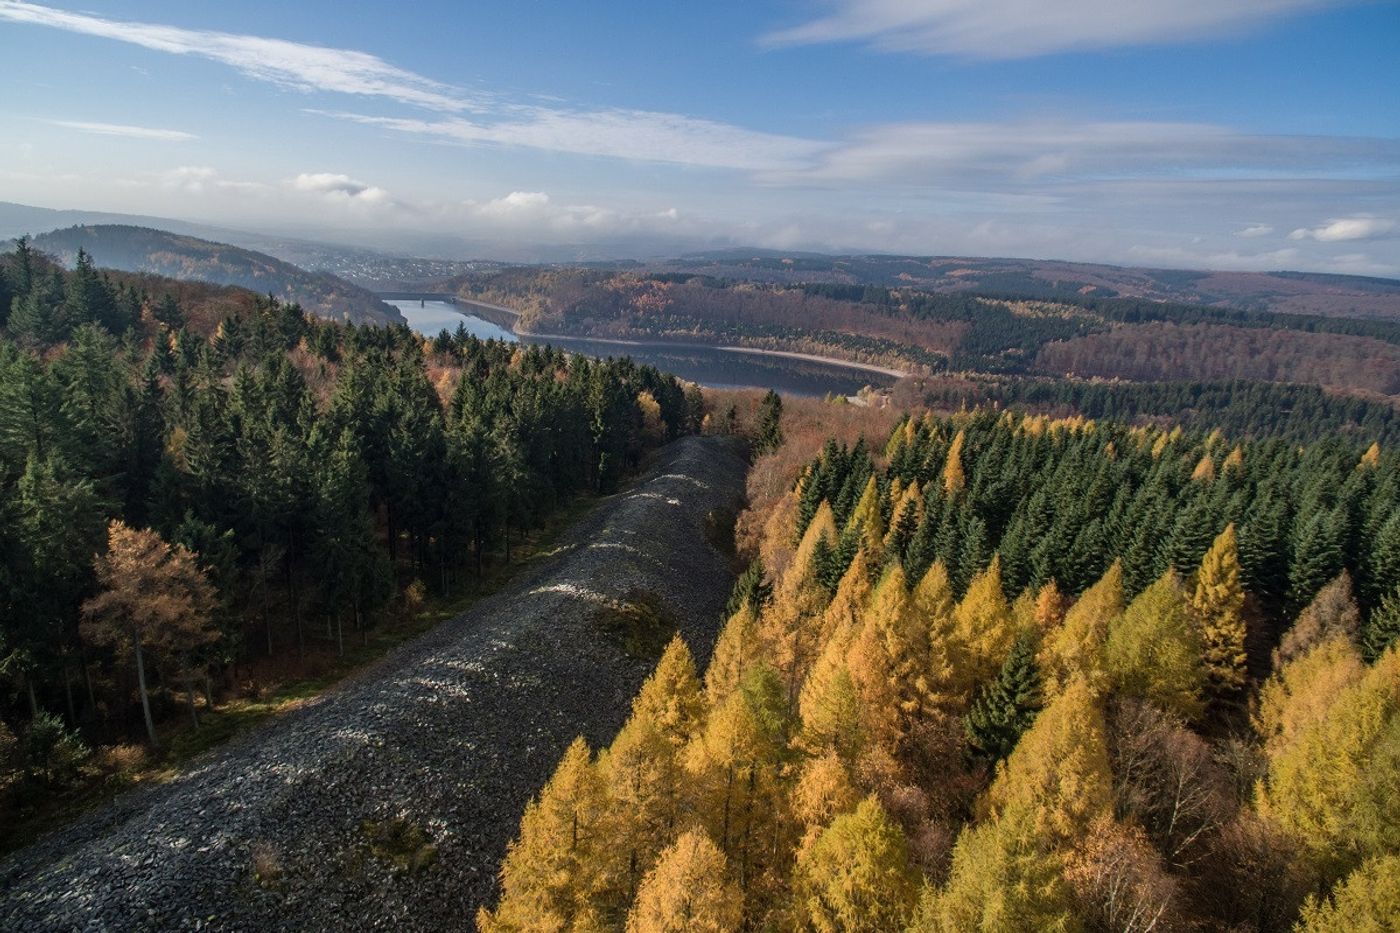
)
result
[(1282, 292), (179, 256)]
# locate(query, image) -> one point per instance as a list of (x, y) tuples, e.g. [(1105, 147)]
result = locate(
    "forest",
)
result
[(932, 332), (194, 479), (1007, 672)]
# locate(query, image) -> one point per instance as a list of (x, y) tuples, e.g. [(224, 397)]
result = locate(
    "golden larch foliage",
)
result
[(672, 696), (868, 521), (1154, 649), (1204, 471), (823, 791), (1333, 788), (735, 653), (934, 608), (856, 876), (1075, 648), (1299, 694), (688, 891), (1371, 458), (889, 663), (954, 479), (1366, 901), (555, 872), (1218, 601), (1059, 773), (830, 705), (983, 624)]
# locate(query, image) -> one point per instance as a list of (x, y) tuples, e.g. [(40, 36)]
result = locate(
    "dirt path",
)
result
[(450, 735)]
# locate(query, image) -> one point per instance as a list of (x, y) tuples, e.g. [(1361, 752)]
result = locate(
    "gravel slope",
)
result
[(452, 734)]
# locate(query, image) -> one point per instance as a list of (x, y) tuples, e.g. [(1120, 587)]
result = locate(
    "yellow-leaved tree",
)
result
[(830, 705), (1366, 901), (888, 662), (1218, 601), (1154, 649), (1300, 693), (789, 628), (688, 890), (556, 872), (738, 770), (823, 791), (868, 521), (1075, 648), (934, 608), (736, 651), (672, 696), (856, 876), (984, 625), (954, 479), (1333, 787)]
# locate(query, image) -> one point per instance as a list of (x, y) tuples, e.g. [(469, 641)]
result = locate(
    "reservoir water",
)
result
[(709, 366)]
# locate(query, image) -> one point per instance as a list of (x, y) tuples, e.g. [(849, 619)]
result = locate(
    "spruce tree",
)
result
[(1006, 707), (1382, 629)]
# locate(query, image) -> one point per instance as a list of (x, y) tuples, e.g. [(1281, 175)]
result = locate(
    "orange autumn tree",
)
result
[(155, 600)]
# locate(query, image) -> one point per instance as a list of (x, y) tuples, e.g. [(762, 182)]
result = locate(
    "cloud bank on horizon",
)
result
[(366, 143)]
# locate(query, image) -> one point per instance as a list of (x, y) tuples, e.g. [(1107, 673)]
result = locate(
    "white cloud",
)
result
[(1347, 228), (639, 135), (339, 188), (287, 64), (1041, 153), (121, 129), (998, 29), (1255, 230)]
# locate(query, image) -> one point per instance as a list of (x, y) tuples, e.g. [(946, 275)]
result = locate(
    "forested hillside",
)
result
[(929, 331), (158, 252), (176, 501), (1003, 672)]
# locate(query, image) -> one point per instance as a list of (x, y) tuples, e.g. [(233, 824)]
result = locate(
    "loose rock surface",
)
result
[(445, 740)]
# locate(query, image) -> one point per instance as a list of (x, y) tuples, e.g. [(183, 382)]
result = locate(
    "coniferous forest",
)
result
[(1004, 672), (256, 483)]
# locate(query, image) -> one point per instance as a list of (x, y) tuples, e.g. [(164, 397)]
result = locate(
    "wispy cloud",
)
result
[(121, 129), (339, 188), (639, 135), (1040, 154), (1348, 228), (1255, 230), (287, 64), (998, 29)]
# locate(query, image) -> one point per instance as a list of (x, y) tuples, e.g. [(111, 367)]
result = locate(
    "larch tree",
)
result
[(983, 624), (1332, 787), (954, 478), (1366, 901), (1007, 706), (688, 890), (155, 600), (554, 872), (888, 663), (1075, 648), (833, 715), (1059, 772), (1153, 650), (867, 521), (672, 695), (933, 607), (646, 791), (1332, 612), (1218, 601), (824, 790), (856, 876), (1300, 693), (734, 655), (1003, 878)]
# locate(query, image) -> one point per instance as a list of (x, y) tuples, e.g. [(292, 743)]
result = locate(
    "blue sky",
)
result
[(1248, 134)]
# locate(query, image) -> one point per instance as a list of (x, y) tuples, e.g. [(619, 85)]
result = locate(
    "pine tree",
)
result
[(688, 890), (1218, 601), (856, 876), (752, 589), (1006, 707)]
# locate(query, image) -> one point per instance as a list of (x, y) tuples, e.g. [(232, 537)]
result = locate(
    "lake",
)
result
[(709, 366)]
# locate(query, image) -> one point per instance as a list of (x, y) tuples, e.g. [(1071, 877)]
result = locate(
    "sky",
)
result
[(1226, 134)]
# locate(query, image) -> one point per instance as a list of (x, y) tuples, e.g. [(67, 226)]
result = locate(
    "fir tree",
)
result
[(1382, 629)]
